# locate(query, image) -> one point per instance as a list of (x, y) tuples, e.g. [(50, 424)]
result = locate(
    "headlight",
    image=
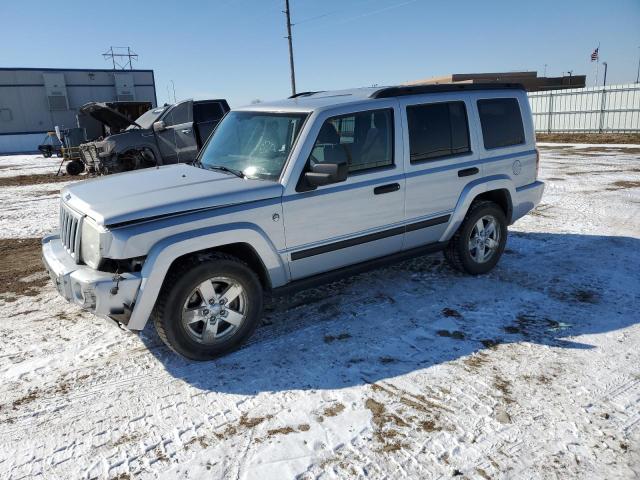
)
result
[(90, 252)]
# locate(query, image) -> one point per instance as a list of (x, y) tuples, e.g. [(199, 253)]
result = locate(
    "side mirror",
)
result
[(159, 126), (334, 169)]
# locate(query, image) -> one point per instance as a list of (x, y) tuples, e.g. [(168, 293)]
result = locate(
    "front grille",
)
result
[(70, 229)]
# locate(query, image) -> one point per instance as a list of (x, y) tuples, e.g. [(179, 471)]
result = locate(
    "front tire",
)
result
[(208, 306), (479, 242)]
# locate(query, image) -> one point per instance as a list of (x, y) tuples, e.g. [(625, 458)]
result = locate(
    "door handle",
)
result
[(392, 187), (468, 172), (186, 130)]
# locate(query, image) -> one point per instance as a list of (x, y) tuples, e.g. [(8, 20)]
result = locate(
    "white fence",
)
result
[(610, 109)]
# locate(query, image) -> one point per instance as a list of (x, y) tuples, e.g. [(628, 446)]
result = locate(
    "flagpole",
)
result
[(597, 64)]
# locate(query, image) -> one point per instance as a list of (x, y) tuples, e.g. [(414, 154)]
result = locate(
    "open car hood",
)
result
[(108, 116)]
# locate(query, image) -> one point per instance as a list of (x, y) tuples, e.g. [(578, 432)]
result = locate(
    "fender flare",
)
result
[(469, 193), (166, 251)]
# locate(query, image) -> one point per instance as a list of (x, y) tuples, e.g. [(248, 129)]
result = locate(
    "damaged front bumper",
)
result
[(104, 294)]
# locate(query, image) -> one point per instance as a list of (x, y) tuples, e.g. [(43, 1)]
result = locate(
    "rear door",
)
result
[(439, 163), (206, 115), (352, 221)]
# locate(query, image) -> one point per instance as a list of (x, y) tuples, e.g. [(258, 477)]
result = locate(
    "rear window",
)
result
[(501, 122), (437, 130)]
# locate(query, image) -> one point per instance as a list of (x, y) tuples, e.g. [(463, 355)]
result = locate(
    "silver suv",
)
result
[(290, 193)]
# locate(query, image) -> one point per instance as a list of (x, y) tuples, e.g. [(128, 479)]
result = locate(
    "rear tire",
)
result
[(479, 242), (208, 306)]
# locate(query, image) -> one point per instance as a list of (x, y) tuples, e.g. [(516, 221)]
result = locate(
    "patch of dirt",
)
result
[(450, 312), (331, 338), (387, 360), (20, 258), (457, 335), (477, 360), (588, 137), (30, 397), (333, 410), (504, 387), (585, 296), (202, 440), (280, 431), (126, 439), (250, 422), (35, 179), (623, 185), (47, 193)]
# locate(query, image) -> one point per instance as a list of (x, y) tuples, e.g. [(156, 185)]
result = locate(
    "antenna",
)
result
[(119, 58)]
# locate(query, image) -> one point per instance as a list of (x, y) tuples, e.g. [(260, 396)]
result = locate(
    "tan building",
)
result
[(529, 80)]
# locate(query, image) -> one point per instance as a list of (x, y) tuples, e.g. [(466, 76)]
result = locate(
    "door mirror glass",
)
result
[(333, 169), (159, 126)]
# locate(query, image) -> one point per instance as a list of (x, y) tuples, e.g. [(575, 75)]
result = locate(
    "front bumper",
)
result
[(526, 199), (104, 294)]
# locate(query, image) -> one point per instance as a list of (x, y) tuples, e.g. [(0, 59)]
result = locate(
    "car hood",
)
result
[(111, 118), (155, 192)]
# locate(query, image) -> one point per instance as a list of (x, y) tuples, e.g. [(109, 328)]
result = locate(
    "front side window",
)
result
[(254, 143), (148, 118), (501, 122), (179, 114), (366, 137), (437, 130)]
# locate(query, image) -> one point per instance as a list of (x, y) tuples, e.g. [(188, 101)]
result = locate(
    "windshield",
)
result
[(254, 143), (147, 119)]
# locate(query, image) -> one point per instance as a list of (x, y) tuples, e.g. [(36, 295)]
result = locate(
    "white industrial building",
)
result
[(34, 100)]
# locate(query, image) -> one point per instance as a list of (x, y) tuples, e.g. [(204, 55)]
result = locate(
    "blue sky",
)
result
[(236, 48)]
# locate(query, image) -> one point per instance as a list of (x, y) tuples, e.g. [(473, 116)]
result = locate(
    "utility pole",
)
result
[(293, 72), (604, 83), (638, 74), (545, 70)]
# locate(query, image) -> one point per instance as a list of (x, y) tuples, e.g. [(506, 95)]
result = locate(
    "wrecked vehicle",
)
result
[(160, 136)]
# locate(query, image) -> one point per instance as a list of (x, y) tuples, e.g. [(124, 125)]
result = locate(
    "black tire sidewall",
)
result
[(171, 319), (470, 265), (75, 167)]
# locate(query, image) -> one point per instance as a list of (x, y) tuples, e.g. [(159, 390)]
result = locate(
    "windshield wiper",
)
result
[(233, 171)]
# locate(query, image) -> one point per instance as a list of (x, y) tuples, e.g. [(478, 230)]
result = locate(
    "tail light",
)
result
[(537, 162)]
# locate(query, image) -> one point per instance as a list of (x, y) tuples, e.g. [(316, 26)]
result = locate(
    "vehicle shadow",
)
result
[(548, 289)]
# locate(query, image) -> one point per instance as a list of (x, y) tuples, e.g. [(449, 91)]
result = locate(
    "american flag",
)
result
[(594, 55)]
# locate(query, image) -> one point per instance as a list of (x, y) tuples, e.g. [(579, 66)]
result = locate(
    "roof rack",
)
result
[(403, 90), (304, 94)]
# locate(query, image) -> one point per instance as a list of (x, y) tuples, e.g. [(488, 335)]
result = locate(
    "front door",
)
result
[(177, 141), (349, 222)]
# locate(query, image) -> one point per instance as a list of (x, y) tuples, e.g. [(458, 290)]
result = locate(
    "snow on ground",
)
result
[(412, 371), (13, 165)]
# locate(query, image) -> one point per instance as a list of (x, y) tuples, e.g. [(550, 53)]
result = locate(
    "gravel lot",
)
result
[(412, 371)]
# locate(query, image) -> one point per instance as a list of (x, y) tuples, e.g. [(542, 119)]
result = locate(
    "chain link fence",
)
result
[(610, 109)]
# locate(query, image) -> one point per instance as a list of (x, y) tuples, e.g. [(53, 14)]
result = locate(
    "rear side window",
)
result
[(437, 130), (501, 122), (207, 112)]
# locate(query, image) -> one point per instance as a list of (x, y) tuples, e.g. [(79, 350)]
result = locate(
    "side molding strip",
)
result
[(310, 252)]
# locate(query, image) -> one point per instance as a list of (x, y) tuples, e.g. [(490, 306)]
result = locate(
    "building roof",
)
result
[(530, 80)]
